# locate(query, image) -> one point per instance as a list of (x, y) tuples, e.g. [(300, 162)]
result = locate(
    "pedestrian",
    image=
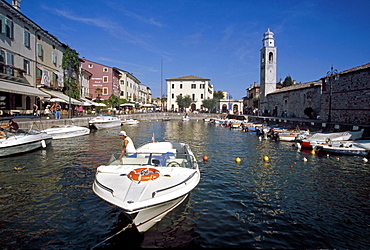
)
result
[(47, 112), (57, 110), (128, 146), (35, 109), (81, 110)]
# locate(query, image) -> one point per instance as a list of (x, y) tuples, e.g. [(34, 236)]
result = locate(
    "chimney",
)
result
[(16, 4)]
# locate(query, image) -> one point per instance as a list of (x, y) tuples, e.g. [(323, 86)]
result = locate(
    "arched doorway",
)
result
[(193, 106)]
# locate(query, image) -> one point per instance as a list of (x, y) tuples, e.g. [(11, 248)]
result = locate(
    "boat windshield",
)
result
[(155, 159)]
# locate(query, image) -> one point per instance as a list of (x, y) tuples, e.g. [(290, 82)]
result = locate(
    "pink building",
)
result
[(103, 77)]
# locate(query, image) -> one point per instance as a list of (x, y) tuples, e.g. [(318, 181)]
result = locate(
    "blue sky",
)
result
[(215, 39)]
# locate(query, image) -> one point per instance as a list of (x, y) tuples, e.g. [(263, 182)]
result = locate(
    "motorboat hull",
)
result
[(104, 122), (146, 200), (68, 131), (23, 143)]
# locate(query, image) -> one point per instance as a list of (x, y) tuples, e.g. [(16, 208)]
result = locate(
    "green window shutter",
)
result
[(2, 24)]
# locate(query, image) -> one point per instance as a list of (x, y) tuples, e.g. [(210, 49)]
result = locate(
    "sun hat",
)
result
[(122, 133)]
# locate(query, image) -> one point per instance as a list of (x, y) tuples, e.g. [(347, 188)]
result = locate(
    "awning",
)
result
[(21, 89), (62, 96), (92, 103)]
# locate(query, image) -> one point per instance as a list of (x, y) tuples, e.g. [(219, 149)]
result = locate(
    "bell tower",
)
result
[(268, 68)]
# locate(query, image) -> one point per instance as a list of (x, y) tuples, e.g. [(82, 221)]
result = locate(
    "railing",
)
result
[(10, 70)]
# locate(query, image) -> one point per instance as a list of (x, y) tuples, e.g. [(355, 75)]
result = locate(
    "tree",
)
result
[(98, 92), (71, 67), (218, 95), (287, 82), (113, 101), (209, 104), (183, 102)]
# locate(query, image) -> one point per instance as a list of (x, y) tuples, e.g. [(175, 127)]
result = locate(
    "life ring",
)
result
[(144, 174)]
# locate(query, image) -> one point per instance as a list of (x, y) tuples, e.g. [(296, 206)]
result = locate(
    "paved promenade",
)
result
[(312, 124)]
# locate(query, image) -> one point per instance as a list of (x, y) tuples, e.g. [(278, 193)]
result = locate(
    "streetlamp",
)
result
[(67, 73), (330, 77)]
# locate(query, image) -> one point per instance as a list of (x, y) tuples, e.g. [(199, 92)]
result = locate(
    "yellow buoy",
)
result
[(313, 152), (266, 158), (238, 160)]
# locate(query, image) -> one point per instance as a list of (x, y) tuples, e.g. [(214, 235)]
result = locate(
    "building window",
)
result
[(105, 91), (105, 79), (122, 82), (201, 96), (193, 97), (202, 86), (105, 69), (9, 60), (7, 27), (27, 38), (40, 51), (54, 81), (173, 96), (180, 85), (54, 58), (193, 86), (271, 57), (173, 86), (90, 66), (27, 66)]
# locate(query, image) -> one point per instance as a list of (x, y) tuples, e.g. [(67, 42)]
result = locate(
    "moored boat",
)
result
[(24, 139), (129, 121), (104, 121), (148, 185), (66, 131), (316, 139), (357, 147)]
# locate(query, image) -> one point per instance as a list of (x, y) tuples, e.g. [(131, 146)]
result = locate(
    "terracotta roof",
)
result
[(187, 78), (298, 86)]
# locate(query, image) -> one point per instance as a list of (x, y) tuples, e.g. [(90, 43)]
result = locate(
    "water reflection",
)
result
[(283, 203)]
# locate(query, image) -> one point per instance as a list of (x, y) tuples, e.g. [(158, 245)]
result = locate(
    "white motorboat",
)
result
[(185, 118), (129, 121), (104, 121), (66, 131), (316, 139), (357, 147), (149, 184), (23, 139)]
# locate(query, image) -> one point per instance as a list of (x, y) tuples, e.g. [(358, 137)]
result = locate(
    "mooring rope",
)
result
[(110, 237)]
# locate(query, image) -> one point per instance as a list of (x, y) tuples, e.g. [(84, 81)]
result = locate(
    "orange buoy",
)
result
[(205, 158)]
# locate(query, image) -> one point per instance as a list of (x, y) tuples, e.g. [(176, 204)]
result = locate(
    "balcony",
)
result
[(11, 73)]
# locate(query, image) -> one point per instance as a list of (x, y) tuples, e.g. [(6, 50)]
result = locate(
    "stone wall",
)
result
[(295, 100), (350, 97)]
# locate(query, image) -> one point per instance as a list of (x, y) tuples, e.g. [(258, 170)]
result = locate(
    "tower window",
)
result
[(271, 57)]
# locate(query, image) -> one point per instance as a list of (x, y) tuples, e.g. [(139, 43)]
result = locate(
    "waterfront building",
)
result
[(30, 57), (129, 86), (104, 80), (197, 88)]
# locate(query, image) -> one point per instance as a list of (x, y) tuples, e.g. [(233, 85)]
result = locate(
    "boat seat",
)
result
[(181, 162)]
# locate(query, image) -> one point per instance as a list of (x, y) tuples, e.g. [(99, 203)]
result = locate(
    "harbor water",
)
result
[(47, 202)]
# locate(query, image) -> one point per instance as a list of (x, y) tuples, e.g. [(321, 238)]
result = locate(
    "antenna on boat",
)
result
[(153, 138)]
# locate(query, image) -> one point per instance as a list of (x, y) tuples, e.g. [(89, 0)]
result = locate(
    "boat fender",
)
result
[(43, 144), (144, 174)]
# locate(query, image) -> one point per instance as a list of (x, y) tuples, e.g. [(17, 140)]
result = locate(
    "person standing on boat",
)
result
[(128, 145)]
